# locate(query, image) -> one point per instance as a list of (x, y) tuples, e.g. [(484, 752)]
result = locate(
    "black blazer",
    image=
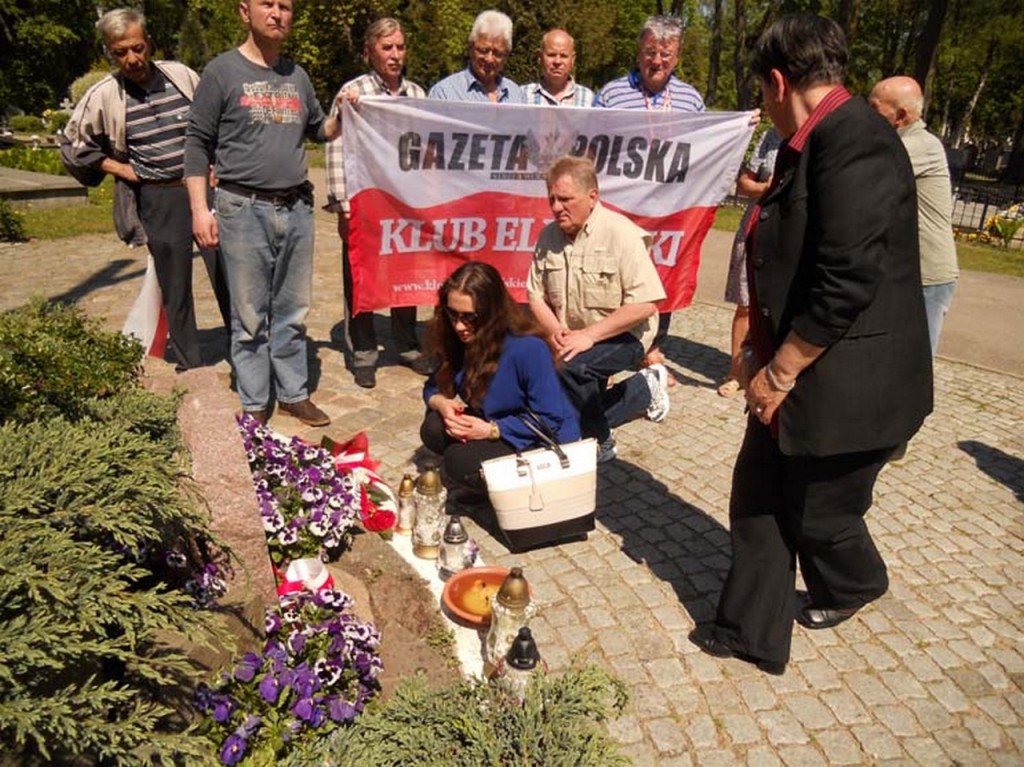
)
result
[(835, 258)]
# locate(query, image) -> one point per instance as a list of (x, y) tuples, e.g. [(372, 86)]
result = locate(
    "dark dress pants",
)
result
[(461, 459), (360, 335), (789, 508), (167, 218), (585, 379)]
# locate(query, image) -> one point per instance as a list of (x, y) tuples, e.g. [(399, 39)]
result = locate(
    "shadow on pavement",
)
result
[(112, 274), (1002, 467), (697, 357), (680, 543)]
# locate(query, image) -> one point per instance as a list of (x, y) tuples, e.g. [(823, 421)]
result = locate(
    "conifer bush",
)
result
[(105, 552), (474, 723)]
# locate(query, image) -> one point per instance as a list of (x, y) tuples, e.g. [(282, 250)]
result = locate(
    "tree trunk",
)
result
[(715, 54), (927, 45), (965, 121), (1014, 172), (846, 17)]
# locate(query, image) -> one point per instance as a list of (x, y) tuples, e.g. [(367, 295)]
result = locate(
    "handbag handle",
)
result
[(544, 433)]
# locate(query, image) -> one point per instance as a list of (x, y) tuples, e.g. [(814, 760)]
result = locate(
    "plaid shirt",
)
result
[(577, 95), (370, 84)]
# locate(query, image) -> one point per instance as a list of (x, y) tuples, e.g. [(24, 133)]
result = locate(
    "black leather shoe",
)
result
[(421, 365), (704, 637), (365, 377), (824, 617), (305, 411)]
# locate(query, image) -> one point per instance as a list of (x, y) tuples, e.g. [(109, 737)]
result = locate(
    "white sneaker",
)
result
[(657, 381), (606, 450)]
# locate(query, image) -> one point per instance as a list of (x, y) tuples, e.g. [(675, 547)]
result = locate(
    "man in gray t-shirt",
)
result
[(253, 111)]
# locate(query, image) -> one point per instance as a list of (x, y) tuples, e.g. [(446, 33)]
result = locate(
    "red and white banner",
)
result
[(436, 183), (146, 321)]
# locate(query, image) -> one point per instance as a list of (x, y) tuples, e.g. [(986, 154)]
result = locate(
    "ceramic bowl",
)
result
[(467, 594)]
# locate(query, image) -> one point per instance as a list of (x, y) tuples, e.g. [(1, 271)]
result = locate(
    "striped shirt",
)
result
[(576, 96), (370, 84), (629, 93), (463, 86), (156, 118)]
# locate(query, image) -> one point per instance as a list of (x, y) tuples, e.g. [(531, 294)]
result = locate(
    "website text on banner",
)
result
[(435, 183)]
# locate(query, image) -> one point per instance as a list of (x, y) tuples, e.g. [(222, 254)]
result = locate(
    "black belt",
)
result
[(284, 198)]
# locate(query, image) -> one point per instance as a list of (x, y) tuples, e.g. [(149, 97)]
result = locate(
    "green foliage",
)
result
[(26, 124), (53, 358), (56, 121), (12, 227), (83, 670), (473, 723), (86, 81), (35, 160)]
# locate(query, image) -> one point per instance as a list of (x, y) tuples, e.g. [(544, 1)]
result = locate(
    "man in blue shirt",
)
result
[(490, 42)]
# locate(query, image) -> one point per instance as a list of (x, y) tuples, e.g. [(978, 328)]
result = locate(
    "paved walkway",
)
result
[(932, 674)]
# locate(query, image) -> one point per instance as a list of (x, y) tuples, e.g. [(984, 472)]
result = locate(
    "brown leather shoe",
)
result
[(262, 415), (305, 411)]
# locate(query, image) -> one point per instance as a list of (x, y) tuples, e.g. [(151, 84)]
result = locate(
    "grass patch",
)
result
[(74, 220), (994, 260), (972, 257)]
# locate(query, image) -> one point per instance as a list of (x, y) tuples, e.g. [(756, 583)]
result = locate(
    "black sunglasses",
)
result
[(469, 319)]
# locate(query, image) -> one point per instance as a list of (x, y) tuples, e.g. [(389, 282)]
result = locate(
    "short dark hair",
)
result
[(807, 49)]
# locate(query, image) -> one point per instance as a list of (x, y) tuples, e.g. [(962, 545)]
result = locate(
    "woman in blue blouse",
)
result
[(494, 366)]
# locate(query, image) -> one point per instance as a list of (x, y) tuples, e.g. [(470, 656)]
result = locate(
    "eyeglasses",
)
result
[(469, 319), (498, 53), (651, 54)]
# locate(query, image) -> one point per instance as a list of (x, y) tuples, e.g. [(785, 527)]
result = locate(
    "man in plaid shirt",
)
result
[(557, 86), (384, 51)]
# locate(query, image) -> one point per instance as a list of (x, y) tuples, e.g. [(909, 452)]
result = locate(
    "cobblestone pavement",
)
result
[(931, 674)]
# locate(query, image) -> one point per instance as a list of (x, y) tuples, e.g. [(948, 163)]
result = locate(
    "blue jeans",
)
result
[(937, 300), (268, 258), (585, 379)]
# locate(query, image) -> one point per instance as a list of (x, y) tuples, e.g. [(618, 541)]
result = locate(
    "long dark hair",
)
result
[(497, 315)]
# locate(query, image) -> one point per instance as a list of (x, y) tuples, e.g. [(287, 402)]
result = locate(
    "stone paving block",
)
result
[(877, 741), (781, 727), (702, 732), (903, 685), (899, 720), (839, 747), (961, 747), (932, 715), (946, 692), (625, 729), (998, 709), (650, 703), (757, 693), (740, 729), (846, 706), (987, 733), (844, 659), (802, 756), (809, 711), (763, 756)]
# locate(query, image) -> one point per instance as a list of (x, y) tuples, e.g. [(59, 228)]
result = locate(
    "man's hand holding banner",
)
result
[(436, 183)]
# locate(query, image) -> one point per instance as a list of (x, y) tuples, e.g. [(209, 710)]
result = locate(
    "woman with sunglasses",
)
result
[(493, 367)]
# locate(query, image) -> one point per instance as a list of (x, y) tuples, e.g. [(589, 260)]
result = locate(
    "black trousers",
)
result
[(786, 509), (167, 218), (360, 335), (461, 459)]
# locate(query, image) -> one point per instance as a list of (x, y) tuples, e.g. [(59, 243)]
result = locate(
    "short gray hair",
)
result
[(662, 29), (113, 24), (492, 24)]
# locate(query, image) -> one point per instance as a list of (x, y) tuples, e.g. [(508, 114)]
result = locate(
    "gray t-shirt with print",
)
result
[(252, 122)]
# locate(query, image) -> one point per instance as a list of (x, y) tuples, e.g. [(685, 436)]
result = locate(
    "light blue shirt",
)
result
[(463, 86), (629, 93)]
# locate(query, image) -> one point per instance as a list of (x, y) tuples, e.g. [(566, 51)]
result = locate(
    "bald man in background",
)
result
[(900, 101), (557, 87)]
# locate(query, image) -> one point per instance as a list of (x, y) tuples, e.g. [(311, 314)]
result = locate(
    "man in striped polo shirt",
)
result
[(132, 125), (557, 86), (653, 86)]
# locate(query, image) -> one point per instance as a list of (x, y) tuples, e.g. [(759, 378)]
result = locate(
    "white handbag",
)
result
[(544, 495)]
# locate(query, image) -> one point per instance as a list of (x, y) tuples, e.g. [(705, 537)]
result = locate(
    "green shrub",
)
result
[(53, 358), (56, 121), (26, 124), (12, 228), (473, 723), (85, 510), (35, 160), (86, 81)]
